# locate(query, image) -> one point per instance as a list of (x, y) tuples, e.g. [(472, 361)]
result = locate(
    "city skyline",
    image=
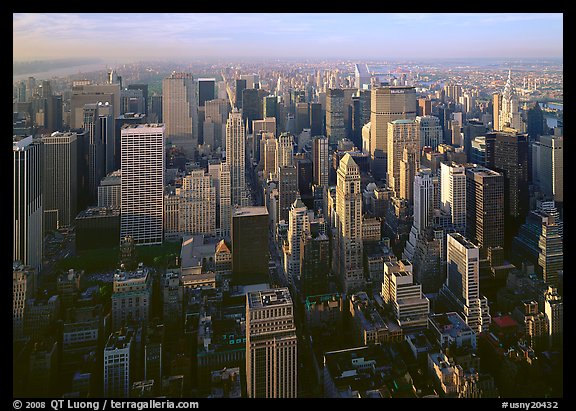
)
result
[(41, 36)]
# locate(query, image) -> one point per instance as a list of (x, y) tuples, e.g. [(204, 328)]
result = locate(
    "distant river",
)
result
[(61, 72)]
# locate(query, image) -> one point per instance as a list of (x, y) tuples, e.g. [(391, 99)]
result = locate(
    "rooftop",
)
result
[(450, 323), (250, 211), (119, 340), (269, 297)]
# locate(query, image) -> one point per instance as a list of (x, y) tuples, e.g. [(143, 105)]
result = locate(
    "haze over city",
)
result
[(153, 36)]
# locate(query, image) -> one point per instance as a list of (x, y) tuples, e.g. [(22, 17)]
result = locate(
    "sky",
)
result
[(128, 37)]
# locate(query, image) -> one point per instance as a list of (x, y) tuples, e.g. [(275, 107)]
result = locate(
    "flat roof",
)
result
[(250, 211), (269, 297)]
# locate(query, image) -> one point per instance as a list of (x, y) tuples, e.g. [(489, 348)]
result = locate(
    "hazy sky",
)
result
[(130, 37)]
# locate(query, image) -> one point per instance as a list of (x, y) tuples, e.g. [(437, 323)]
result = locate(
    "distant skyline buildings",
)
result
[(195, 35)]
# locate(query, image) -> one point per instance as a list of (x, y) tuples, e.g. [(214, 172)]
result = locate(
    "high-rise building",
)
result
[(349, 225), (132, 101), (430, 131), (507, 153), (462, 287), (536, 123), (250, 248), (404, 296), (142, 183), (320, 160), (298, 224), (144, 88), (271, 345), (267, 125), (236, 157), (60, 184), (118, 366), (110, 190), (387, 104), (206, 90), (361, 76), (240, 87), (28, 202), (302, 116), (269, 106), (287, 189), (335, 126), (83, 94), (131, 297), (180, 112), (250, 107), (550, 166), (509, 114), (197, 208), (96, 149), (314, 263), (554, 310), (54, 114), (484, 208), (268, 146), (225, 204), (316, 119), (24, 280), (453, 194), (155, 113), (402, 134), (217, 111), (285, 150)]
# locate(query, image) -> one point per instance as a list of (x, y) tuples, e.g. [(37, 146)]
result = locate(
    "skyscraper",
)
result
[(206, 90), (496, 110), (316, 120), (287, 189), (250, 107), (236, 157), (549, 167), (387, 104), (118, 355), (197, 209), (250, 248), (180, 111), (335, 127), (484, 208), (271, 345), (225, 205), (96, 149), (142, 185), (402, 134), (509, 114), (240, 87), (28, 207), (462, 287), (349, 225), (298, 223), (453, 194), (91, 94), (23, 288), (60, 185), (320, 160), (430, 131)]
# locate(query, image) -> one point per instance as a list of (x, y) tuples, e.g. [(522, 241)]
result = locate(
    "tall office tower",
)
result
[(131, 297), (423, 211), (302, 116), (509, 114), (60, 185), (462, 287), (240, 87), (83, 94), (23, 288), (401, 134), (550, 167), (285, 150), (320, 160), (536, 123), (387, 104), (408, 166), (349, 225), (316, 120), (197, 210), (335, 127), (268, 155), (304, 170), (225, 200), (551, 255), (250, 248), (430, 131), (218, 110), (554, 310), (96, 149), (206, 90), (404, 296), (260, 127), (156, 109), (27, 233), (107, 135), (131, 101), (356, 121), (478, 151), (365, 101), (54, 115), (496, 111), (298, 224), (142, 160), (180, 112), (250, 107), (507, 153), (236, 157), (287, 189), (484, 208), (424, 107), (366, 130), (361, 76), (118, 354), (453, 194), (270, 106), (252, 80), (271, 345), (472, 129), (144, 88)]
